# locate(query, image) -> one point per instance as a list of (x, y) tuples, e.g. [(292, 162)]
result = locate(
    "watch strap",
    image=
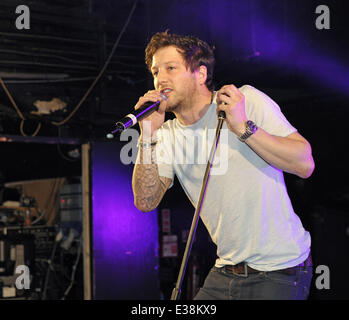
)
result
[(250, 129)]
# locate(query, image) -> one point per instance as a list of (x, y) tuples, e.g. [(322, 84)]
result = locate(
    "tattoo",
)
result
[(148, 186)]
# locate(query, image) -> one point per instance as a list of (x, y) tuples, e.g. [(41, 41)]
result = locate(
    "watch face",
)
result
[(252, 126)]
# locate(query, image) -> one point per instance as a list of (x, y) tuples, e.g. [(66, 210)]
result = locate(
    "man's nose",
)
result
[(161, 79), (162, 76)]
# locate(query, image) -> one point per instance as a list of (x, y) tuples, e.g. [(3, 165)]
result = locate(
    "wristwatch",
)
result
[(251, 128), (146, 144)]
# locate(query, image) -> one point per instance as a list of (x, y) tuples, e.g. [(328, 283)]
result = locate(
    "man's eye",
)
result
[(171, 68), (155, 74)]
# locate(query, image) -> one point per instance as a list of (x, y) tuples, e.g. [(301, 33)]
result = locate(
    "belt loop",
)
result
[(307, 263), (245, 270), (305, 269)]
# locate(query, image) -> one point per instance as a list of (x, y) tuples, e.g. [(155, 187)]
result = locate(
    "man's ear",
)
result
[(202, 74)]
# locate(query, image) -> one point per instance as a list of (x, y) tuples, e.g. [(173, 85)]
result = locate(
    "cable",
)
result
[(42, 64), (55, 56), (74, 270), (21, 127), (42, 214), (11, 99), (43, 55), (60, 152), (44, 37), (50, 263), (87, 92), (50, 81), (103, 69), (63, 156)]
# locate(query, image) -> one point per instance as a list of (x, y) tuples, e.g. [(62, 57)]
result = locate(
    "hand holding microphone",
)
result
[(157, 117), (151, 106)]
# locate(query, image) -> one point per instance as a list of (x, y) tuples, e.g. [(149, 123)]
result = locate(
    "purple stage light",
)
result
[(125, 240)]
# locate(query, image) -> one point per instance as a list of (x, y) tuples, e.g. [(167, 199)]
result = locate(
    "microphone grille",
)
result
[(163, 96)]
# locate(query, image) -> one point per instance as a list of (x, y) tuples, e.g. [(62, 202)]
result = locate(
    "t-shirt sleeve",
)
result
[(265, 112)]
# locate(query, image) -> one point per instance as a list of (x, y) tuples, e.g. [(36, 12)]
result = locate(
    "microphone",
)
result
[(137, 115), (221, 114)]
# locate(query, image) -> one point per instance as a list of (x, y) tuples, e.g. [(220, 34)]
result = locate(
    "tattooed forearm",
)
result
[(148, 187)]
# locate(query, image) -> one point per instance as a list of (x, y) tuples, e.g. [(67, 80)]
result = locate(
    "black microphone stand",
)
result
[(177, 290)]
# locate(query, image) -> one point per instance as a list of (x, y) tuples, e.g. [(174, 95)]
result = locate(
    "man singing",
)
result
[(263, 250)]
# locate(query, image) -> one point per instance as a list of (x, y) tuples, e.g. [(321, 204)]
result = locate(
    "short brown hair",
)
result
[(195, 52)]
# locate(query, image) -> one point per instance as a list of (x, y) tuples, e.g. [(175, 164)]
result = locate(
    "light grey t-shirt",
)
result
[(246, 208)]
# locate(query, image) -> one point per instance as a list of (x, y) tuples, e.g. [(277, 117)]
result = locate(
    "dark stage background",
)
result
[(48, 69)]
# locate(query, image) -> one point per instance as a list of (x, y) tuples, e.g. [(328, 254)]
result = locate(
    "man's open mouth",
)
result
[(166, 91)]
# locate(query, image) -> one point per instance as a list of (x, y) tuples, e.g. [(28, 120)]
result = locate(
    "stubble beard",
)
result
[(174, 106), (183, 102)]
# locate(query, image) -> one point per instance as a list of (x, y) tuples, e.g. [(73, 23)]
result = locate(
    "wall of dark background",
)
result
[(272, 45)]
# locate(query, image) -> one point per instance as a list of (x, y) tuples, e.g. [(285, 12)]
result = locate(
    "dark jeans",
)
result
[(221, 284)]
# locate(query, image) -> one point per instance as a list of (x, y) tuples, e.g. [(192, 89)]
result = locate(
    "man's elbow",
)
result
[(307, 169), (307, 164), (142, 206)]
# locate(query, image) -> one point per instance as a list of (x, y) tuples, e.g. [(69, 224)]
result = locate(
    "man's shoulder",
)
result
[(250, 91), (247, 88), (257, 99)]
